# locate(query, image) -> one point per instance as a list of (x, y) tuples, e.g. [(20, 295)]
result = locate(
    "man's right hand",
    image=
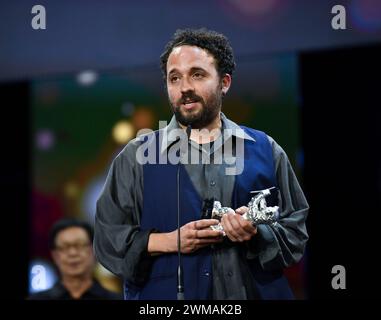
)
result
[(194, 235)]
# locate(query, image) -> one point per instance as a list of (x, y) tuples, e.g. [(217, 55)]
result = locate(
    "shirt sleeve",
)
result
[(119, 244), (282, 244)]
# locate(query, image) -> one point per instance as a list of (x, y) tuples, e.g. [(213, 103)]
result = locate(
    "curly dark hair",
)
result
[(215, 43)]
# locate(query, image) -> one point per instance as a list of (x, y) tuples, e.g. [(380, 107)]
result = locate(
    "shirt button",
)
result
[(206, 273), (230, 273), (213, 183)]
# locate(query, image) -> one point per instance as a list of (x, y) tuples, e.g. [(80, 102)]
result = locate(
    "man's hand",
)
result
[(238, 229), (197, 234), (193, 235)]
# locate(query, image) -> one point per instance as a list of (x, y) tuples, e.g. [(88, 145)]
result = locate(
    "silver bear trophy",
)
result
[(258, 213)]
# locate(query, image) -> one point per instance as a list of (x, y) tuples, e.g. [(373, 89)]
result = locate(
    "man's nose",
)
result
[(186, 85), (72, 251)]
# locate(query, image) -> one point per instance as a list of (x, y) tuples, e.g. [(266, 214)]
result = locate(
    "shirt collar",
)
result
[(59, 291), (170, 135)]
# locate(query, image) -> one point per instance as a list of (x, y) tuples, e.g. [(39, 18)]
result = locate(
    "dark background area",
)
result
[(15, 188), (341, 132)]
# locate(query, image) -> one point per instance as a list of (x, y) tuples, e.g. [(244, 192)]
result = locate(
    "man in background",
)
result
[(71, 248)]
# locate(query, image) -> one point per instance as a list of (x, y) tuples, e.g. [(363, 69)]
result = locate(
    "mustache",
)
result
[(189, 96)]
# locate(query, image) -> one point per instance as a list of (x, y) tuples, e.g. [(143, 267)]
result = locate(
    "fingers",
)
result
[(203, 223), (201, 229), (242, 210), (247, 226), (207, 233), (228, 223), (208, 241), (198, 234), (237, 229), (192, 244)]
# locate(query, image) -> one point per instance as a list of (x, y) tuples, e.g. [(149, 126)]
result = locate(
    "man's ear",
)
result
[(225, 83), (54, 255)]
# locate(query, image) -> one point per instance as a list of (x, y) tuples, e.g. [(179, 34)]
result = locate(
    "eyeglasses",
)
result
[(77, 246)]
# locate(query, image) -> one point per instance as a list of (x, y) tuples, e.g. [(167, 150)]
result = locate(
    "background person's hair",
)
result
[(66, 223), (215, 43)]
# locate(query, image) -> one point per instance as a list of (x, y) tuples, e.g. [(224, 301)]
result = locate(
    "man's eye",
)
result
[(174, 79), (197, 75)]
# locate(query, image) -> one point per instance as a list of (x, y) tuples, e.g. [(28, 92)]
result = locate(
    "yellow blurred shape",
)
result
[(107, 279), (71, 189), (123, 132)]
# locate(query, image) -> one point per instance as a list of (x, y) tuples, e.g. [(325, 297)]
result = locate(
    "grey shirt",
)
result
[(121, 246)]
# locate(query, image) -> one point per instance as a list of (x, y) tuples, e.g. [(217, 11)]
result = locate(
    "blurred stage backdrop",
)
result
[(94, 81)]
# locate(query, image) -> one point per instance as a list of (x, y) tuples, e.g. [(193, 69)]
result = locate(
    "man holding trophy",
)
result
[(234, 228)]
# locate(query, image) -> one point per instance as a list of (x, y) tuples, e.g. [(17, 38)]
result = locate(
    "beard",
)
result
[(200, 118)]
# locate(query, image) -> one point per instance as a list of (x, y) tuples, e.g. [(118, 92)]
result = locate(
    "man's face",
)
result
[(73, 252), (194, 87)]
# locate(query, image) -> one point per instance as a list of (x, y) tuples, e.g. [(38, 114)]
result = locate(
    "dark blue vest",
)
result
[(160, 212)]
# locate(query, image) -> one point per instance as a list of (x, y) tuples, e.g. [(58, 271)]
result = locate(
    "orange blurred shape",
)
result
[(143, 118)]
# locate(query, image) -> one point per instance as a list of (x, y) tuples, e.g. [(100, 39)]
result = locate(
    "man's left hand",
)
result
[(236, 228)]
